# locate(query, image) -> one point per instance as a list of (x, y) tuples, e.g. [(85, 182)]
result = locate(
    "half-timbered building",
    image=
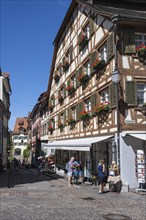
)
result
[(89, 115)]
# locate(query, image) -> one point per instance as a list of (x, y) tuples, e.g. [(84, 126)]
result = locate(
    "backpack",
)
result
[(67, 166)]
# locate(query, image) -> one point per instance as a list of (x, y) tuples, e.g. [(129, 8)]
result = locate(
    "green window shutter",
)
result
[(59, 92), (49, 123), (93, 101), (112, 94), (59, 119), (69, 113), (129, 40), (64, 117), (110, 46), (91, 26), (130, 92), (77, 76), (64, 91), (53, 123), (79, 36), (71, 53), (53, 101), (93, 57), (79, 108)]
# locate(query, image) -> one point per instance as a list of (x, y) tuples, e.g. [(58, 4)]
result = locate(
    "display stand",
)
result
[(140, 169)]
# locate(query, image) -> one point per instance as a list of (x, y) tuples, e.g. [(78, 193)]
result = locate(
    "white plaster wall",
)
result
[(129, 146)]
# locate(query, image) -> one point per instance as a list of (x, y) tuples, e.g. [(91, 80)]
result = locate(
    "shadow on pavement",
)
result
[(10, 178)]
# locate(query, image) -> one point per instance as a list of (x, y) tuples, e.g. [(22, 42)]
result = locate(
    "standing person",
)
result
[(101, 175), (70, 171)]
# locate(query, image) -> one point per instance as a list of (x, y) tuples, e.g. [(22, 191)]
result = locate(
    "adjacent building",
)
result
[(21, 139), (5, 92)]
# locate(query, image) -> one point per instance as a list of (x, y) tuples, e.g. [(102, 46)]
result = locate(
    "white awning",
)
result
[(78, 144), (139, 136)]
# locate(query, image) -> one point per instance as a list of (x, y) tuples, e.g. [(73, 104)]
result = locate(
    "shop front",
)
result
[(89, 151)]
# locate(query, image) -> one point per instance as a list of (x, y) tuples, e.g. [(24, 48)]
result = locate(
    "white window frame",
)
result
[(87, 67), (104, 96), (141, 100), (103, 52), (138, 42)]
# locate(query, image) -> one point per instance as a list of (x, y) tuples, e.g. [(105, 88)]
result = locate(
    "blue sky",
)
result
[(28, 29)]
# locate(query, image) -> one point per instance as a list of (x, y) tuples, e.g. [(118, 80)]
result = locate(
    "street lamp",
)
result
[(115, 77)]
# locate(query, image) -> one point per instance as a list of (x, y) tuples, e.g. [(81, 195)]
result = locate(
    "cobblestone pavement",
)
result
[(26, 196)]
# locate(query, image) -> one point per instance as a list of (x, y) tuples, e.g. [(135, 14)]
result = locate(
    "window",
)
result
[(103, 52), (88, 105), (140, 38), (141, 93), (87, 68), (73, 81), (74, 113), (17, 152), (104, 95)]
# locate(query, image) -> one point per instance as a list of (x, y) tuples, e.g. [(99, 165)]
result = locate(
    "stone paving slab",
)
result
[(50, 198)]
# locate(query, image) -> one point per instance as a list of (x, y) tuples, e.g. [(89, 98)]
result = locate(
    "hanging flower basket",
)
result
[(83, 78), (98, 64), (84, 115), (141, 50)]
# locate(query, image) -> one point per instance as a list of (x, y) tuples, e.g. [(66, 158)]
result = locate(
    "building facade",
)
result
[(5, 91), (90, 115)]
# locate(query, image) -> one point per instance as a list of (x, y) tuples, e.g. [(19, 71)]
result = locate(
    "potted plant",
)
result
[(141, 50), (56, 76), (84, 115)]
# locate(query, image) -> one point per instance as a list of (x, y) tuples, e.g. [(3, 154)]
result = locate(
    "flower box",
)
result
[(60, 125), (70, 89), (141, 50), (83, 77), (60, 99), (50, 128), (84, 115), (102, 107), (65, 64), (72, 121), (98, 64), (83, 40)]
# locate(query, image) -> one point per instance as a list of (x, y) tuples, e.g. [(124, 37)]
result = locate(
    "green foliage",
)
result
[(26, 153)]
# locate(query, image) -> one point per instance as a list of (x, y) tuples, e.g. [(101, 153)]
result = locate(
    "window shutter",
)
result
[(71, 53), (49, 123), (77, 76), (93, 57), (110, 46), (81, 106), (59, 92), (129, 40), (64, 91), (59, 119), (93, 101), (131, 96), (79, 36), (53, 123), (77, 110), (64, 117), (80, 71), (112, 94), (69, 112), (53, 101), (91, 26)]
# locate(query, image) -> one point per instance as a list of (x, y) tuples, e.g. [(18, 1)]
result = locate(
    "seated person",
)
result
[(113, 169)]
